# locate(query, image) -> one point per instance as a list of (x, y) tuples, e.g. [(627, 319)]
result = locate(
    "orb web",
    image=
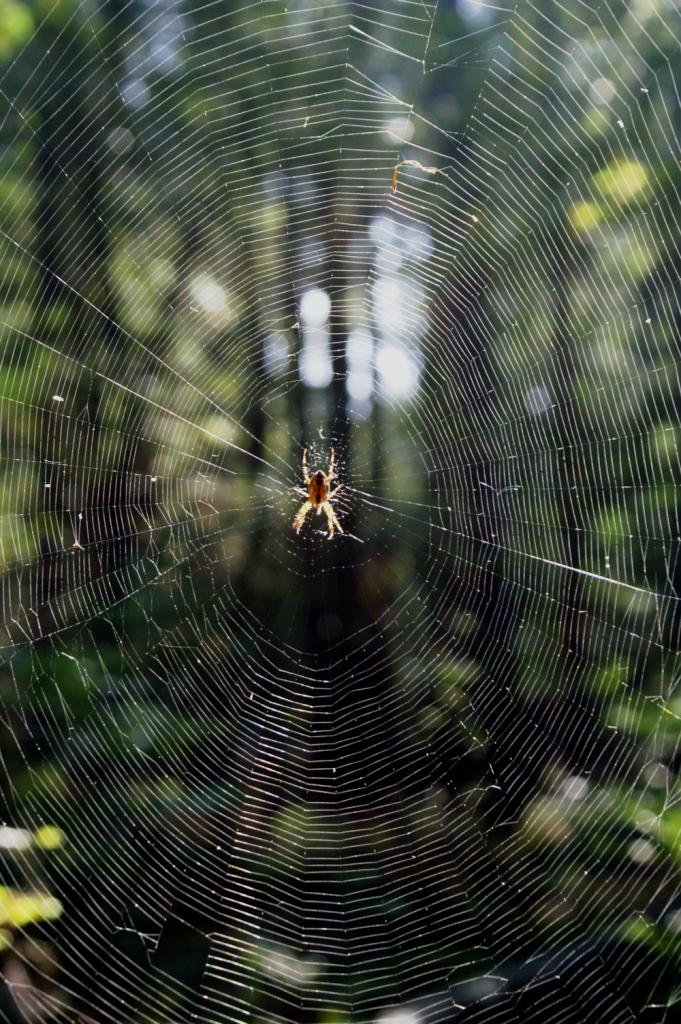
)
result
[(425, 769)]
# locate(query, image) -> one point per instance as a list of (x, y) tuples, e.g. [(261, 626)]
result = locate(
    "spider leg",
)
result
[(300, 517), (302, 490), (306, 475), (334, 491), (329, 475), (331, 517)]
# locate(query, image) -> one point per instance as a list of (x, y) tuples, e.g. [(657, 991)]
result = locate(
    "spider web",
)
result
[(425, 770)]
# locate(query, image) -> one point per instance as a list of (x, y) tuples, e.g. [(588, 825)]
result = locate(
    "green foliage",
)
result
[(19, 909), (16, 27)]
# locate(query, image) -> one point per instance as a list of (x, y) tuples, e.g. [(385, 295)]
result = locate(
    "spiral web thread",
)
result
[(425, 770)]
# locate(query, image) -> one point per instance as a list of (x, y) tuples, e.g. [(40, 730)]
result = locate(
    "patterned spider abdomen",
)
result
[(319, 487)]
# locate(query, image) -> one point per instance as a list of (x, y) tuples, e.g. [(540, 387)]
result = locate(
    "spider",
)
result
[(318, 495)]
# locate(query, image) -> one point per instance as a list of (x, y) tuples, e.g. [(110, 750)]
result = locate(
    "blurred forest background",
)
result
[(427, 771)]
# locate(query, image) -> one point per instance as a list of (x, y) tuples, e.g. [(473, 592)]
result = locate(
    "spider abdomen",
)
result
[(319, 487)]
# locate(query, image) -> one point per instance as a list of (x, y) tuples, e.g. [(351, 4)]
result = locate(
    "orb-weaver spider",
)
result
[(318, 495)]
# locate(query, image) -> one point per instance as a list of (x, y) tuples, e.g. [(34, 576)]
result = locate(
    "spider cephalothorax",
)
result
[(318, 495)]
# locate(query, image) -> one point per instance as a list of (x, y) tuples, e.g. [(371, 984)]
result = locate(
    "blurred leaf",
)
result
[(19, 909), (48, 837), (16, 27)]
